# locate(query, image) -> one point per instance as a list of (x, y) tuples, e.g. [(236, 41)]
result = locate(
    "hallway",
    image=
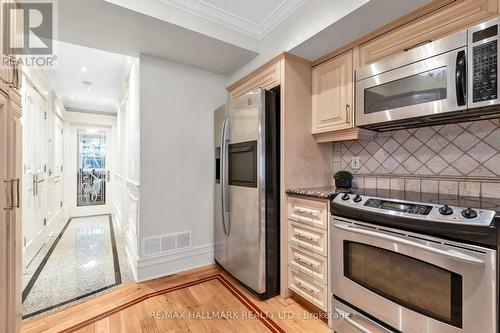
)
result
[(86, 259)]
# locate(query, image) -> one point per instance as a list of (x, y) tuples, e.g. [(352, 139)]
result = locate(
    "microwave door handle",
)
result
[(347, 317), (451, 254), (222, 176), (460, 78)]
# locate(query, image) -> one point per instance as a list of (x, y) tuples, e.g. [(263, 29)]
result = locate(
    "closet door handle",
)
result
[(11, 203), (12, 196), (18, 192)]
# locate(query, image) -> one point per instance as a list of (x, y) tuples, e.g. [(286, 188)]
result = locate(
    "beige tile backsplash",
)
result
[(460, 159)]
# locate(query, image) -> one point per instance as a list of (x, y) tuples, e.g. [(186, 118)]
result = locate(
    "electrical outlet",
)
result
[(355, 163)]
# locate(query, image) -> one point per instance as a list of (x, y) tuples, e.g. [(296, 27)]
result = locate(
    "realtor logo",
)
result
[(29, 31)]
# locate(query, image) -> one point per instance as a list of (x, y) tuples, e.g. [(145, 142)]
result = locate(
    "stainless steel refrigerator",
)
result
[(246, 205)]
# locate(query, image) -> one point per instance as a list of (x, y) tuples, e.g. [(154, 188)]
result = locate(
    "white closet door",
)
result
[(35, 173), (58, 170)]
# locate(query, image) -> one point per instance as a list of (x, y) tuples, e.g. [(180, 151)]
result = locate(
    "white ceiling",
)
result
[(103, 25), (368, 17), (255, 18), (105, 70), (214, 35)]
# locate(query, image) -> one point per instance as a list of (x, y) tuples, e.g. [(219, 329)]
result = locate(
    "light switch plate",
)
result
[(355, 163)]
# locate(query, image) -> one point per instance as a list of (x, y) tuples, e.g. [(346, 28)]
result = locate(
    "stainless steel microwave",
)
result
[(449, 80)]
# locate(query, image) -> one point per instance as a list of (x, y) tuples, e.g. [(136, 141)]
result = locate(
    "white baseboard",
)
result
[(118, 219), (171, 263), (132, 259)]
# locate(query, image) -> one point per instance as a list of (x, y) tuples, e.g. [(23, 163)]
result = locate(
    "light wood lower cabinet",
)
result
[(309, 238), (307, 288), (308, 265), (314, 213)]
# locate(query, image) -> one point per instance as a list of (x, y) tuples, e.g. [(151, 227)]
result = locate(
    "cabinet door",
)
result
[(451, 18), (14, 248), (332, 94), (10, 218), (4, 214)]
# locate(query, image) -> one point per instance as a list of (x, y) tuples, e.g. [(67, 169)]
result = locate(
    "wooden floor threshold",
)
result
[(95, 314)]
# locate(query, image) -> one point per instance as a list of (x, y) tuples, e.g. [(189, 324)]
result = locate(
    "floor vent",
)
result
[(167, 243), (152, 246), (183, 240)]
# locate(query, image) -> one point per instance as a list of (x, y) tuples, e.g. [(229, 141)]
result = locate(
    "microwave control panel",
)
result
[(485, 72)]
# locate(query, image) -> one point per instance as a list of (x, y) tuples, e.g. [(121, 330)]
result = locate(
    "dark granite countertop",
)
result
[(452, 200), (326, 192)]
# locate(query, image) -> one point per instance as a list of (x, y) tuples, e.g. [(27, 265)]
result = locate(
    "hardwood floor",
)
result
[(184, 302)]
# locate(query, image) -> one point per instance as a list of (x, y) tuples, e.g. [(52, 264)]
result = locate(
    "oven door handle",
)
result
[(347, 317), (450, 253)]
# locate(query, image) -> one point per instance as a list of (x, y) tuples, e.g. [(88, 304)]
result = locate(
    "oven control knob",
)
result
[(345, 197), (469, 213), (357, 198), (445, 210)]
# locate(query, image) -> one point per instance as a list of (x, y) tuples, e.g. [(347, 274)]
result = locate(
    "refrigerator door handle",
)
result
[(222, 174), (225, 177)]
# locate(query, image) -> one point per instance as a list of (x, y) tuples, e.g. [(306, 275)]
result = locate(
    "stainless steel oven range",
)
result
[(402, 266)]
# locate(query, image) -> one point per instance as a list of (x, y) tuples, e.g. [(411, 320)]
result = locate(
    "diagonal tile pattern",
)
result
[(469, 149)]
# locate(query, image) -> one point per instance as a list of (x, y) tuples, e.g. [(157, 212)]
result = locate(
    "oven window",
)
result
[(421, 88), (242, 163), (414, 284)]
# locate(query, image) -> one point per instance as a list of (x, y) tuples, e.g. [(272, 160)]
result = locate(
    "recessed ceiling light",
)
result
[(84, 69), (104, 100), (72, 96), (87, 85)]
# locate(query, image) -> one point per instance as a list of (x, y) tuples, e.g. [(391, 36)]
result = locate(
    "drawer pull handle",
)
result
[(307, 263), (312, 238), (306, 211), (301, 286)]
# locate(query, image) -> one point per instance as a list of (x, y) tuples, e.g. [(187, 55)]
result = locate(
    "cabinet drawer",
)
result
[(308, 238), (307, 288), (310, 212), (308, 263)]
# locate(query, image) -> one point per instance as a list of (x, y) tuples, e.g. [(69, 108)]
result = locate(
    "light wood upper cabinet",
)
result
[(437, 24), (332, 104), (268, 77)]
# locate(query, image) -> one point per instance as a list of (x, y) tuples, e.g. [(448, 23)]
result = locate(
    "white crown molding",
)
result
[(235, 22)]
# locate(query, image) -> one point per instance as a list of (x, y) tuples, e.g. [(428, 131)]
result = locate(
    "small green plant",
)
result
[(343, 176)]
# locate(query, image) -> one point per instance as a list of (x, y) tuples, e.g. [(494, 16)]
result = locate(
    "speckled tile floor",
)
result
[(82, 265)]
